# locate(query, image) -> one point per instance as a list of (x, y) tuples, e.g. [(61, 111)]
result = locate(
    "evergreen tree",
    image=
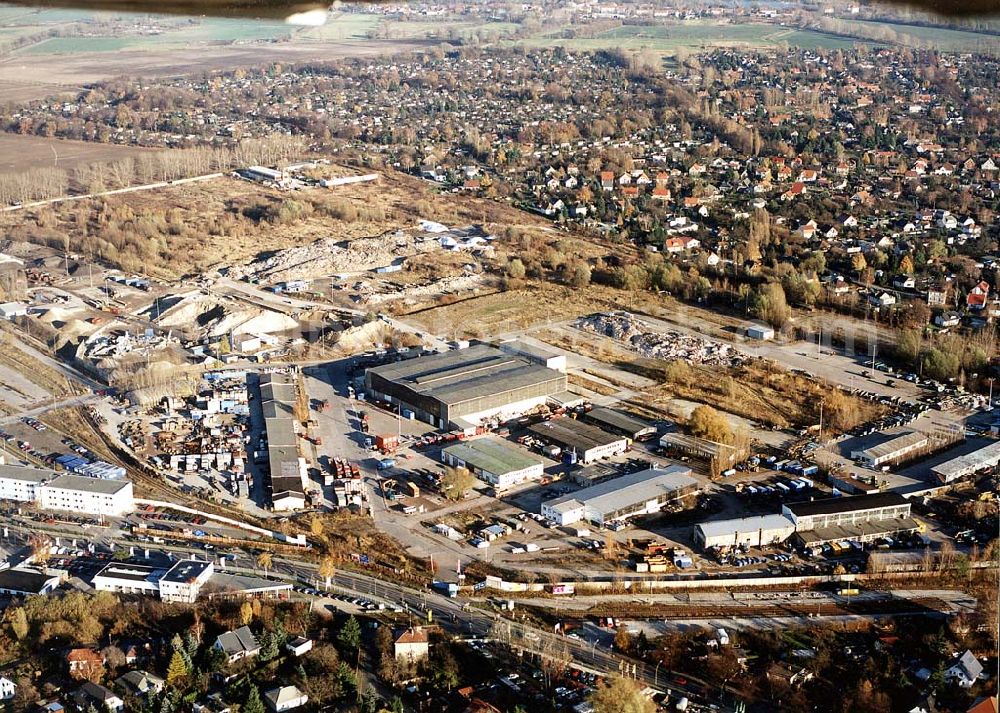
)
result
[(268, 646), (253, 703), (349, 636), (369, 701)]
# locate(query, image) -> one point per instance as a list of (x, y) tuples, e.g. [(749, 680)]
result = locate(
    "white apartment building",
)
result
[(21, 483), (91, 496)]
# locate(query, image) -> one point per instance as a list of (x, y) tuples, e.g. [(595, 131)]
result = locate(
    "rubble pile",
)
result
[(331, 256), (667, 345)]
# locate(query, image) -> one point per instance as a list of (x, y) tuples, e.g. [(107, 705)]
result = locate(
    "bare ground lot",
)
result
[(20, 153), (57, 72)]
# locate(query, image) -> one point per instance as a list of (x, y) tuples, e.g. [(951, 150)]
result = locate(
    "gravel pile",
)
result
[(666, 345)]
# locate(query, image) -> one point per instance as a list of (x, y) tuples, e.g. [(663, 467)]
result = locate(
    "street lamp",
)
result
[(656, 674)]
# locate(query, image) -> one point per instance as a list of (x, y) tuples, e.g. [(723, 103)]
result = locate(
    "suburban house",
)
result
[(937, 295), (977, 296), (97, 696), (7, 688), (985, 704), (412, 645), (965, 670), (947, 319), (84, 663), (285, 698), (140, 683), (238, 644), (882, 299)]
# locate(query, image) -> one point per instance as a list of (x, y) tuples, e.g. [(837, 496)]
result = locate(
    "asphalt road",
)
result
[(454, 615)]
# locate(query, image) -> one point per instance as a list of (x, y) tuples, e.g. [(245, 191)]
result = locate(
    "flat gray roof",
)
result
[(492, 456), (222, 583), (89, 485), (693, 443), (26, 473), (132, 572), (573, 434), (970, 462), (280, 432), (517, 346), (186, 571), (618, 493), (910, 439), (618, 420), (716, 528), (465, 374)]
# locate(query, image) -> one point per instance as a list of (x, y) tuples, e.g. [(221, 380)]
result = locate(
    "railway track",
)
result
[(858, 607)]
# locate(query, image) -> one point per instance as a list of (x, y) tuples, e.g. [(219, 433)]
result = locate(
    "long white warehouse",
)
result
[(757, 531), (896, 448), (987, 457), (619, 498)]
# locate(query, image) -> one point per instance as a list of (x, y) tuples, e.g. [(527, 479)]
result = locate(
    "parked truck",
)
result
[(449, 589)]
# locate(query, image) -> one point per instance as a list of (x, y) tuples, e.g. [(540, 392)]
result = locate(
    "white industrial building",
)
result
[(123, 578), (495, 462), (950, 470), (760, 330), (757, 531), (891, 451), (87, 495), (539, 355), (639, 493), (55, 491), (183, 582), (586, 441), (833, 512)]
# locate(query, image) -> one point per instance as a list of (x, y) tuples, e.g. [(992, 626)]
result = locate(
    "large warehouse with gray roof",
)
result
[(620, 498), (466, 386)]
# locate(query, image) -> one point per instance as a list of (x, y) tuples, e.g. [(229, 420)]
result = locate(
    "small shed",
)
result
[(760, 330)]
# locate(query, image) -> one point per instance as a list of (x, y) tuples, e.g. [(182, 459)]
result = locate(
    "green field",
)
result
[(72, 45), (202, 31), (426, 29), (345, 26), (667, 38)]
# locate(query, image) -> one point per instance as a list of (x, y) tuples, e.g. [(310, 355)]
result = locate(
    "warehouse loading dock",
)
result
[(759, 531)]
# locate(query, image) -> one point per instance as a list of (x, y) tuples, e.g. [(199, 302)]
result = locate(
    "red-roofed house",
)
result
[(412, 645), (978, 296)]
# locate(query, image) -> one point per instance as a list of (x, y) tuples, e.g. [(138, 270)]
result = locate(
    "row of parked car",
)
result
[(35, 424)]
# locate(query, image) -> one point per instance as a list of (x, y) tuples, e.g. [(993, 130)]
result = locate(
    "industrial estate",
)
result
[(539, 358)]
